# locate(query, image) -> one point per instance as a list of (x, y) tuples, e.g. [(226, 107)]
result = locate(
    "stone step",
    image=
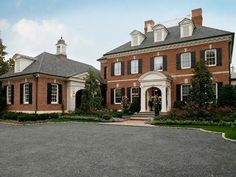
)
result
[(141, 118)]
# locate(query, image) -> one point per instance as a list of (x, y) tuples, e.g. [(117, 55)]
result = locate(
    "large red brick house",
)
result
[(160, 62), (45, 83)]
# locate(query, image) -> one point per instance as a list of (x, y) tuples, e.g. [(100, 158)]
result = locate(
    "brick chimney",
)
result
[(148, 25), (197, 16)]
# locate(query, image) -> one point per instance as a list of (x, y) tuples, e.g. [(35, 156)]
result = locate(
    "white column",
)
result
[(169, 99), (143, 90), (163, 99)]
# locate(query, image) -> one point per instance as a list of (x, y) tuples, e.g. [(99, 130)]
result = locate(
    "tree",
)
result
[(91, 99), (3, 64), (201, 92)]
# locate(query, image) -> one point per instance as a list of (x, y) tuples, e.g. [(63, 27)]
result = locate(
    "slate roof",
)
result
[(200, 32), (50, 64)]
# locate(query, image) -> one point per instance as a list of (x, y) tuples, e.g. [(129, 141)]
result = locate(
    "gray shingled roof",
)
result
[(50, 64), (200, 32)]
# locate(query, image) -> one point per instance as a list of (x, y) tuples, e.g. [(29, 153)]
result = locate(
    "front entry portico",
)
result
[(161, 83)]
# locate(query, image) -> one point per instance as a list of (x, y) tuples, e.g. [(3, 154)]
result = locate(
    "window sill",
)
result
[(186, 68), (26, 103), (117, 103), (54, 103)]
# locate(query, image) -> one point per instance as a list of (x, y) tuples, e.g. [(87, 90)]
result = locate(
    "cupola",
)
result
[(61, 47)]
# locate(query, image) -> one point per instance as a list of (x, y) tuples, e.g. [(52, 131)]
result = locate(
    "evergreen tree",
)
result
[(227, 96), (201, 92), (91, 99), (4, 67)]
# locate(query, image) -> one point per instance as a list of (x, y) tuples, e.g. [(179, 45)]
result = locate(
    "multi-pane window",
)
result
[(26, 93), (117, 95), (134, 66), (185, 88), (134, 94), (185, 60), (9, 94), (54, 94), (117, 68), (185, 30), (215, 90), (210, 57), (158, 63), (158, 35)]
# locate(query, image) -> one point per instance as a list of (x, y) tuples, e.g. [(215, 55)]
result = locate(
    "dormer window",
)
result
[(136, 38), (22, 62), (160, 33), (186, 28)]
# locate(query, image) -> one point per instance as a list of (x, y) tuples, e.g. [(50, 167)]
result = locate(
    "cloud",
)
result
[(32, 37), (4, 25)]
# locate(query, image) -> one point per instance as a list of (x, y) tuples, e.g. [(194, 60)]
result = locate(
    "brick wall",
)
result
[(125, 81), (42, 94)]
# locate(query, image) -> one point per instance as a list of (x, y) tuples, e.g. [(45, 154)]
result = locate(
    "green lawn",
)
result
[(230, 132)]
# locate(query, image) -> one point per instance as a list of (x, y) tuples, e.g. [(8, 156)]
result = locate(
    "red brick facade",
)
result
[(41, 105), (220, 73)]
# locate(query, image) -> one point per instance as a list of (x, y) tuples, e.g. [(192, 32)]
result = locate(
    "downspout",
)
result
[(36, 92)]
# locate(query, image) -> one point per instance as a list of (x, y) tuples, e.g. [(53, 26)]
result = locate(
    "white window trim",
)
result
[(131, 91), (55, 102), (25, 102), (117, 73), (216, 87), (182, 67), (114, 97), (155, 58), (181, 91), (156, 35), (8, 100), (215, 56), (190, 30), (131, 68)]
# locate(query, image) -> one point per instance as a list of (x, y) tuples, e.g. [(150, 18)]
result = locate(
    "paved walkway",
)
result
[(141, 123)]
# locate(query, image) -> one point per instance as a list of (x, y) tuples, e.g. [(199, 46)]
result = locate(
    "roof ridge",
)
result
[(40, 62)]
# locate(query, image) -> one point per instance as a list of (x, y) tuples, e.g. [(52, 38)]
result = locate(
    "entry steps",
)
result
[(143, 116)]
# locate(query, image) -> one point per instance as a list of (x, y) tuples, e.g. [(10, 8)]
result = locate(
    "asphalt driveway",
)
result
[(88, 149)]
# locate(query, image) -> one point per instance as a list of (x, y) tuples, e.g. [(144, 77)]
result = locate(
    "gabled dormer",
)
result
[(160, 32), (136, 38), (186, 27), (22, 62)]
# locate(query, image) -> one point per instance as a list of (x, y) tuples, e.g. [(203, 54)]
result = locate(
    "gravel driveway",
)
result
[(89, 149)]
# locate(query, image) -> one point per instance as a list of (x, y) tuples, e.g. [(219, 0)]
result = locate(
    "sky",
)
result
[(94, 27)]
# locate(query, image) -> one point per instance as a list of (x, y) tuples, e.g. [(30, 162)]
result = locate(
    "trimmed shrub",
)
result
[(117, 114), (134, 107), (10, 115), (105, 116), (179, 104), (27, 117), (227, 96)]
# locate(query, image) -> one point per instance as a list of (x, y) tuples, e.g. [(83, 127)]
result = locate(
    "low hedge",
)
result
[(80, 118), (27, 117), (192, 122)]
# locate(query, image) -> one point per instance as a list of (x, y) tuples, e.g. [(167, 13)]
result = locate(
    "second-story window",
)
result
[(158, 63), (134, 66), (185, 60), (210, 57), (117, 69)]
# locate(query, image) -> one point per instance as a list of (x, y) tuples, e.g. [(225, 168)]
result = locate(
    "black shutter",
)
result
[(152, 64), (164, 63), (193, 59), (112, 69), (112, 96), (30, 93), (129, 93), (123, 92), (21, 93), (202, 55), (219, 86), (140, 62), (12, 94), (219, 57), (178, 61), (105, 73), (60, 93), (49, 92), (129, 67), (122, 68), (4, 94), (178, 92)]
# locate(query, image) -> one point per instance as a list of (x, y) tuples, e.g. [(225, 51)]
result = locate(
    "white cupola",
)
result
[(61, 47)]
